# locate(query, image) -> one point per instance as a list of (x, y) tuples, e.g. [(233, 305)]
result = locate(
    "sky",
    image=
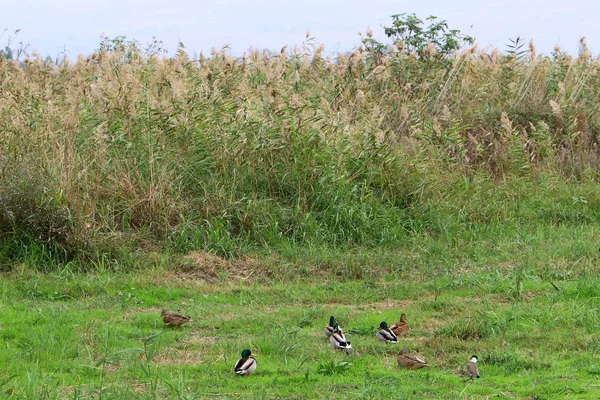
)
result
[(74, 27)]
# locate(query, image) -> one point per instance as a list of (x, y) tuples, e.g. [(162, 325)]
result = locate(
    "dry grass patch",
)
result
[(206, 267), (180, 357), (387, 304), (196, 337), (393, 304)]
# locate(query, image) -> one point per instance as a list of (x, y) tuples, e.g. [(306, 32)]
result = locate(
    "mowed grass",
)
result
[(99, 335)]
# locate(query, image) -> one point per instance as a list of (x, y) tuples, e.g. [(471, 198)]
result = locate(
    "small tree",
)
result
[(411, 34), (375, 48), (7, 53)]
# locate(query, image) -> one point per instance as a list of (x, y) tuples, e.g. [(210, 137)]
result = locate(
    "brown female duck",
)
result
[(410, 361), (401, 327), (174, 320)]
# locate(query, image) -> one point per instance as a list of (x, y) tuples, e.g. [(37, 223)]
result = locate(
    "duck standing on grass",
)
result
[(245, 365), (401, 327), (329, 328), (385, 334), (472, 369), (410, 361), (175, 320), (338, 339)]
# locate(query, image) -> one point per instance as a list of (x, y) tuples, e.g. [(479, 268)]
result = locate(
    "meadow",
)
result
[(262, 194), (100, 335)]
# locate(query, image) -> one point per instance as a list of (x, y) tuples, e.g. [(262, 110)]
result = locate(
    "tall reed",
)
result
[(228, 153)]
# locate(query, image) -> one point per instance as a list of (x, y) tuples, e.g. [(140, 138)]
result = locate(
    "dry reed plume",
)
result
[(126, 142)]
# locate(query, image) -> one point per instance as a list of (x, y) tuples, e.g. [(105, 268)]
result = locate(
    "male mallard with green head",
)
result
[(410, 361), (329, 328), (175, 320), (385, 334), (245, 365), (338, 339), (401, 327)]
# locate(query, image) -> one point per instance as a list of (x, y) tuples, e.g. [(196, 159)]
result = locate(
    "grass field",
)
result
[(99, 335)]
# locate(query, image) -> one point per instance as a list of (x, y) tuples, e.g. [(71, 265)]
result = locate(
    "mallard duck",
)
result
[(472, 369), (329, 328), (400, 328), (175, 320), (410, 361), (385, 334), (245, 365), (338, 339)]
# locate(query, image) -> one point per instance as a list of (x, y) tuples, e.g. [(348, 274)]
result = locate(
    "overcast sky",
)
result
[(76, 26)]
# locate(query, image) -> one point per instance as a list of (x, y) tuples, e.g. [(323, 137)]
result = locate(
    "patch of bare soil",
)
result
[(387, 304)]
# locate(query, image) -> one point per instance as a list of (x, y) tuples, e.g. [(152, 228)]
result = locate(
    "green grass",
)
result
[(99, 335)]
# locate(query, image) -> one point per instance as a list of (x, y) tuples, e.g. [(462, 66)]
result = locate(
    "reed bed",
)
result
[(231, 154)]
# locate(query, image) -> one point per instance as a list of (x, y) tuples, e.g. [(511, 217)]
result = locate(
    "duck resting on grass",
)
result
[(338, 339), (472, 369), (329, 328), (385, 334), (410, 361), (401, 327), (245, 365), (175, 320)]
